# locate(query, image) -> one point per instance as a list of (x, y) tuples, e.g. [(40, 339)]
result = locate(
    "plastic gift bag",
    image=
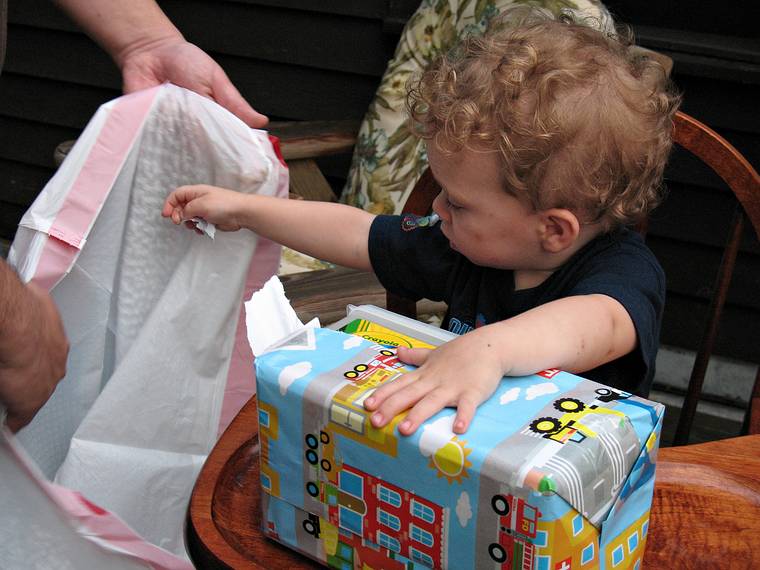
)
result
[(159, 363)]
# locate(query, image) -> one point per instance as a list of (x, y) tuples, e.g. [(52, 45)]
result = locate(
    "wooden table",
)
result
[(705, 514)]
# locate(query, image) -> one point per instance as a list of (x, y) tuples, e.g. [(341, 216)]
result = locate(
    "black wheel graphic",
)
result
[(500, 505), (604, 392), (326, 465), (569, 405), (312, 489), (311, 456), (545, 425), (350, 374), (311, 528), (324, 437), (360, 367), (311, 440), (497, 553), (386, 352)]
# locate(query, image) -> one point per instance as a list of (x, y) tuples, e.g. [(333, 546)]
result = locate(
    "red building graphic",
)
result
[(385, 514)]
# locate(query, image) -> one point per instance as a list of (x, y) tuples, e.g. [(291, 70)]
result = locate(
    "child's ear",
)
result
[(559, 229)]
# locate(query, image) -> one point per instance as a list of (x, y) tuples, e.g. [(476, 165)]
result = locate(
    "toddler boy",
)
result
[(548, 140)]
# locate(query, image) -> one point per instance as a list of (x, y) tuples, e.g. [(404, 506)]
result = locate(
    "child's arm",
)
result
[(333, 232), (574, 334)]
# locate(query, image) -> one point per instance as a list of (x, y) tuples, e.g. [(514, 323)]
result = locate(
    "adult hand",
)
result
[(150, 50), (186, 65), (33, 352)]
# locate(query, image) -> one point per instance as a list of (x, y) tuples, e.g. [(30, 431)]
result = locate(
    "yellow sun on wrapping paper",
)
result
[(450, 460)]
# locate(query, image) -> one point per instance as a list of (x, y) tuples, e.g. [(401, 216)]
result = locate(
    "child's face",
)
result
[(481, 220)]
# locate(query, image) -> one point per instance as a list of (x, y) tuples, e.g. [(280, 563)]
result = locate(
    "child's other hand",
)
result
[(215, 205), (462, 373)]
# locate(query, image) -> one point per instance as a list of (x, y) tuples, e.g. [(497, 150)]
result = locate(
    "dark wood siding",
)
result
[(716, 54), (308, 59)]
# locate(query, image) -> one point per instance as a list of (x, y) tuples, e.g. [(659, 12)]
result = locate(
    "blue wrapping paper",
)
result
[(555, 472)]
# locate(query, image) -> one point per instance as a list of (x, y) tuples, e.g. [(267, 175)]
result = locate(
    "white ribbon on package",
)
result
[(159, 360)]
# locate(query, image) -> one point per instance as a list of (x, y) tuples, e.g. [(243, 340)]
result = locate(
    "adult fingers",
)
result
[(16, 422), (225, 93)]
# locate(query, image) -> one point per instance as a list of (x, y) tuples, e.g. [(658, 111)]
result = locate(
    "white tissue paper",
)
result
[(269, 317), (159, 362)]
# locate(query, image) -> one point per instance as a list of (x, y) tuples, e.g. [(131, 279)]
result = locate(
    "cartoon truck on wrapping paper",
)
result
[(568, 427), (609, 395), (517, 526), (385, 366)]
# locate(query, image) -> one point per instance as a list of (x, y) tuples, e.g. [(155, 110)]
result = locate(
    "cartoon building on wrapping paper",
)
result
[(347, 551), (268, 431), (566, 543), (387, 515), (627, 550)]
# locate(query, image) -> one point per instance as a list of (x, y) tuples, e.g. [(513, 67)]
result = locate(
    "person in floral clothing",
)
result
[(388, 159)]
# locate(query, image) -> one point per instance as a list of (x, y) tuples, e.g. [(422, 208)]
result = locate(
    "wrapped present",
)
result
[(556, 472)]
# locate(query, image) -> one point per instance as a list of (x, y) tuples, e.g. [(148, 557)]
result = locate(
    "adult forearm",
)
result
[(33, 348), (13, 301), (121, 26), (575, 334), (328, 231)]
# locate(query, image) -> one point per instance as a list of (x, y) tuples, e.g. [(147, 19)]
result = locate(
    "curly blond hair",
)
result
[(580, 120)]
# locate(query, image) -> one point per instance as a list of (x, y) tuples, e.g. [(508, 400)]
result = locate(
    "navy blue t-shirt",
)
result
[(419, 263)]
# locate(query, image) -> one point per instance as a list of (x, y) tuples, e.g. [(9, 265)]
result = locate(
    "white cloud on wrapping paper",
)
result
[(352, 342), (291, 373), (509, 396), (541, 390), (436, 435), (464, 509)]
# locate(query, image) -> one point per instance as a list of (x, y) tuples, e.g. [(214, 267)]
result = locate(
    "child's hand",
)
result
[(462, 373), (215, 205)]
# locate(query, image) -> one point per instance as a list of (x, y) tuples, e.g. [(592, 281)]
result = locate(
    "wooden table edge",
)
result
[(201, 529)]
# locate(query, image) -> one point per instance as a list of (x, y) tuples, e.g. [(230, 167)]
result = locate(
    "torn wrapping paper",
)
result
[(555, 471), (205, 227), (159, 362)]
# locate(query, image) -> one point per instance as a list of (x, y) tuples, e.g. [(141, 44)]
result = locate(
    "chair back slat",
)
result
[(707, 343), (727, 162), (743, 180)]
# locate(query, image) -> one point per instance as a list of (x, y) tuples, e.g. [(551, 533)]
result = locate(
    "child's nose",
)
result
[(439, 207)]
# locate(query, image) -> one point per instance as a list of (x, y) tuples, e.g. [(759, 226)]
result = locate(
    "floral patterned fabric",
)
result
[(388, 159)]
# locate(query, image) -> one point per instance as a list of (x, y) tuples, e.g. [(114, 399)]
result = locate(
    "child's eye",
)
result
[(452, 206)]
